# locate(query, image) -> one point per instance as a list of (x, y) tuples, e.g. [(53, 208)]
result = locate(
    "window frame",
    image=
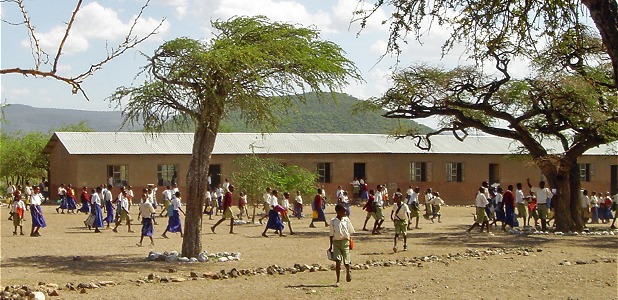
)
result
[(454, 172), (324, 171), (420, 168), (171, 178), (119, 174)]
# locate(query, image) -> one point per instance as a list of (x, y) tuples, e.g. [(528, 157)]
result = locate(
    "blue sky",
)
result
[(106, 22)]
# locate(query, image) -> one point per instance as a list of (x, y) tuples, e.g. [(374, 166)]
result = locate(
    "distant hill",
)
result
[(24, 118), (327, 116), (314, 116)]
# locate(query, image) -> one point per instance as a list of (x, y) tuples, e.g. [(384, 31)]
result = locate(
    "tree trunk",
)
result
[(197, 182), (563, 176), (604, 13)]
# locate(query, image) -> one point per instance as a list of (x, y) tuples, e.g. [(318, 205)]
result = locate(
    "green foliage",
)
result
[(294, 178), (249, 67), (22, 157), (255, 174), (338, 114), (82, 126)]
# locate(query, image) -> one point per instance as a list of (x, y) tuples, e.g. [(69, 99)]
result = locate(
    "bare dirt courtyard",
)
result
[(442, 262)]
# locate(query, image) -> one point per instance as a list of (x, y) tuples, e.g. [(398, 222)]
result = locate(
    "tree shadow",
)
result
[(84, 265)]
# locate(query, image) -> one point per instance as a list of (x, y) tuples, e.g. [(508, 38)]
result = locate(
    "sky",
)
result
[(103, 24)]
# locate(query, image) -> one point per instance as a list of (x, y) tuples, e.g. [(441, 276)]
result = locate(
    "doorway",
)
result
[(494, 173), (215, 171), (359, 170)]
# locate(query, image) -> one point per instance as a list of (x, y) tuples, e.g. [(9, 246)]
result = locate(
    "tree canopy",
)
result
[(570, 96), (255, 174), (251, 65), (514, 26)]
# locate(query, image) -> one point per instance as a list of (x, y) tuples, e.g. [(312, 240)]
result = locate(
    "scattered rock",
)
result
[(234, 273), (36, 296), (172, 270), (54, 293), (83, 291), (178, 279)]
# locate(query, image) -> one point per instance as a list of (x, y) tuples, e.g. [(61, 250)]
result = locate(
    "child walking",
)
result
[(298, 205), (123, 208), (274, 219), (173, 223), (481, 216), (146, 211), (378, 215), (318, 209), (242, 206), (96, 211), (228, 199), (400, 216), (18, 207), (36, 213), (437, 203), (286, 207), (368, 208), (414, 207), (341, 231)]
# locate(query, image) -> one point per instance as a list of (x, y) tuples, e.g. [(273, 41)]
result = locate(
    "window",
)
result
[(585, 172), (167, 175), (323, 170), (118, 175), (418, 171), (454, 172)]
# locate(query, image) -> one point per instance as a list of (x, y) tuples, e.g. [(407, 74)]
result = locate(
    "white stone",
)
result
[(223, 259), (37, 296), (183, 259)]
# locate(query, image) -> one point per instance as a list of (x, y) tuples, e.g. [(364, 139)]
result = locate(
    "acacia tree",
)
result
[(556, 104), (46, 65), (247, 62), (572, 98), (499, 24)]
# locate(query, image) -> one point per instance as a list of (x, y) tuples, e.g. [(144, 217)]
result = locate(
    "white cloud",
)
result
[(343, 14), (95, 22), (379, 47), (181, 7), (282, 11), (377, 82), (19, 92)]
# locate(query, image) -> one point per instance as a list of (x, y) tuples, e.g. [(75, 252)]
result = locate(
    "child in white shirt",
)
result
[(18, 207), (341, 231)]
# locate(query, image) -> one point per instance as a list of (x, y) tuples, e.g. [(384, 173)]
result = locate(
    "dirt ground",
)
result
[(516, 275)]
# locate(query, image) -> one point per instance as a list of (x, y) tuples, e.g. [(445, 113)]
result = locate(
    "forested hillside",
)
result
[(313, 116)]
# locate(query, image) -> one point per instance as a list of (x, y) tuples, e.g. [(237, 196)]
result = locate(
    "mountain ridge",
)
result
[(311, 116)]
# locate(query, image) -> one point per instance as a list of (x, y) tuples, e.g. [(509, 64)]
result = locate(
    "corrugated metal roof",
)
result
[(284, 143)]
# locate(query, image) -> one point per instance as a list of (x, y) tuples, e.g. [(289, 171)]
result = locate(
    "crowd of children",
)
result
[(493, 204)]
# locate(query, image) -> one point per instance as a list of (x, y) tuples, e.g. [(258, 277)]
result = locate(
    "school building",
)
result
[(453, 168)]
